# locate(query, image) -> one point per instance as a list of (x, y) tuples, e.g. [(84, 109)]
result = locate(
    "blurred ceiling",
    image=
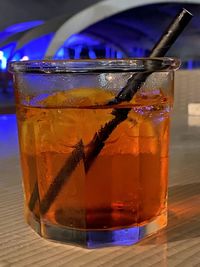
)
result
[(16, 11), (143, 25), (138, 27)]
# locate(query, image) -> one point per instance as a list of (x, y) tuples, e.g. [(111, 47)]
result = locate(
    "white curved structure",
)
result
[(48, 27), (95, 13)]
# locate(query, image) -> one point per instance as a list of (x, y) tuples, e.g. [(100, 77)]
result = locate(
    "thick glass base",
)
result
[(33, 221), (98, 238)]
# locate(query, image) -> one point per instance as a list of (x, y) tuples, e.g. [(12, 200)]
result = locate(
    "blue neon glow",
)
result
[(60, 52), (92, 54), (78, 50), (119, 54), (19, 27), (8, 50), (5, 55), (17, 56), (8, 136), (107, 52), (77, 39), (87, 46), (66, 54), (35, 49), (127, 236), (96, 41), (112, 54), (190, 64), (3, 61)]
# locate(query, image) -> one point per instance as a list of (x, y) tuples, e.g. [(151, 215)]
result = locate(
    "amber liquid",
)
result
[(126, 184)]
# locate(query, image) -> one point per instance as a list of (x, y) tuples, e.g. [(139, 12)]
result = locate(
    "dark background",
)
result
[(16, 11)]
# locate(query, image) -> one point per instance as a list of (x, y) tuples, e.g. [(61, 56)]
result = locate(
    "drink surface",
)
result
[(126, 184)]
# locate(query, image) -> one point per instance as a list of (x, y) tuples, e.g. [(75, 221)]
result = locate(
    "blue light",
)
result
[(78, 39), (19, 27), (67, 55), (5, 53), (85, 45), (8, 50), (137, 52), (119, 54), (140, 52), (35, 49), (78, 50), (190, 64), (60, 52), (107, 52), (120, 237), (92, 54), (3, 61), (112, 54), (17, 56), (8, 136)]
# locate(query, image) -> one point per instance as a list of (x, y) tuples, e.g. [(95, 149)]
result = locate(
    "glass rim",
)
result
[(155, 64)]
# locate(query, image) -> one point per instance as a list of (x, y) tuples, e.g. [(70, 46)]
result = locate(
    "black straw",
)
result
[(159, 50), (126, 94)]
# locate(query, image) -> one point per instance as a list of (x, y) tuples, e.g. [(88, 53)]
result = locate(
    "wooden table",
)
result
[(177, 245)]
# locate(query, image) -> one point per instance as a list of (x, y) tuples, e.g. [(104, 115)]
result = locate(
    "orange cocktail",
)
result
[(116, 194)]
